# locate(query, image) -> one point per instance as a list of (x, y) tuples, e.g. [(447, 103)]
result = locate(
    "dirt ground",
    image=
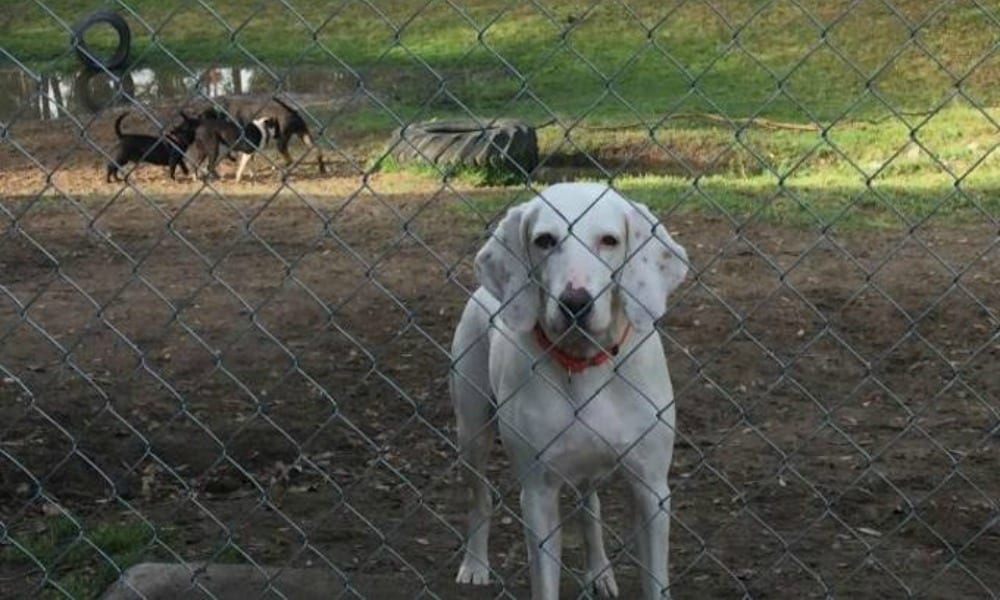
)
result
[(260, 375)]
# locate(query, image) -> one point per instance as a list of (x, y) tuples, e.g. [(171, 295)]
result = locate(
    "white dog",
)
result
[(575, 374)]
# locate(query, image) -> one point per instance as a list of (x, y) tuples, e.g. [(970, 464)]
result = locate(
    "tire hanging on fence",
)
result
[(87, 56)]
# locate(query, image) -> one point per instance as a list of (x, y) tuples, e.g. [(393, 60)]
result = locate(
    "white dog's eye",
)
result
[(609, 240), (545, 241)]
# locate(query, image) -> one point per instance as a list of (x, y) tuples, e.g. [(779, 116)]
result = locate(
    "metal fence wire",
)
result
[(202, 373)]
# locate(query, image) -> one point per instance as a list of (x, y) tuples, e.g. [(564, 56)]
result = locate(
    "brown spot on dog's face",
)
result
[(665, 260), (503, 275)]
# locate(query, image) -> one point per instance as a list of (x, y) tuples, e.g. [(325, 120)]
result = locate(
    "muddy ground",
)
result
[(260, 375)]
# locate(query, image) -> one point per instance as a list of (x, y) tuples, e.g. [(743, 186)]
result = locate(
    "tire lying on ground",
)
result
[(93, 60), (506, 144)]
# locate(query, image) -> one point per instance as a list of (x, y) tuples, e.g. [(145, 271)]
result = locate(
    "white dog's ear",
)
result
[(655, 266), (502, 268)]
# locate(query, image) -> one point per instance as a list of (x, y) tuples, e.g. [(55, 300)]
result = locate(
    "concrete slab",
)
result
[(198, 581), (169, 581)]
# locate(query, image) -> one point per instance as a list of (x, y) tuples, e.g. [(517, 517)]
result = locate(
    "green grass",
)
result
[(603, 62), (818, 203), (80, 560), (903, 95)]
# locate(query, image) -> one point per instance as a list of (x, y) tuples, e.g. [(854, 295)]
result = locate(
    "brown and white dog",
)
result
[(216, 132), (291, 123)]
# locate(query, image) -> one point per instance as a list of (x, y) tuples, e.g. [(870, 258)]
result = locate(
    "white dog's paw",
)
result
[(473, 571), (603, 583)]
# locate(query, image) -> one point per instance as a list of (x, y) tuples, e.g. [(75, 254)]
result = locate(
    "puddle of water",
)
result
[(56, 95)]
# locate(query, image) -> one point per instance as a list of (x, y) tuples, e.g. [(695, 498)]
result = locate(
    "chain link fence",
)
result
[(255, 373)]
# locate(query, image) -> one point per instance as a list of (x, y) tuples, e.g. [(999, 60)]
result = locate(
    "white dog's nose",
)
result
[(575, 304)]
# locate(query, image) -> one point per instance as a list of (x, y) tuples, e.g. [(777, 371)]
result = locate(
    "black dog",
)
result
[(164, 150), (290, 122), (216, 131)]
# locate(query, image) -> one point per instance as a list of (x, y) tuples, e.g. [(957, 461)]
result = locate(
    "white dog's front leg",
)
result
[(475, 449), (470, 391), (599, 574), (540, 511), (244, 160), (652, 531)]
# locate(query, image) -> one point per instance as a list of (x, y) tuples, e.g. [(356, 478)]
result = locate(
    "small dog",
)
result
[(216, 131), (557, 351), (166, 150)]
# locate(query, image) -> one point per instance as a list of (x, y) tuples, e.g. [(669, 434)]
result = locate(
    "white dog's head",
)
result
[(580, 255)]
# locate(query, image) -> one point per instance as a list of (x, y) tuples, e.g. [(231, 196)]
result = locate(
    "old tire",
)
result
[(88, 57), (506, 144)]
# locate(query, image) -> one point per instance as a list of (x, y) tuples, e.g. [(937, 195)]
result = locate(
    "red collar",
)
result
[(575, 364)]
